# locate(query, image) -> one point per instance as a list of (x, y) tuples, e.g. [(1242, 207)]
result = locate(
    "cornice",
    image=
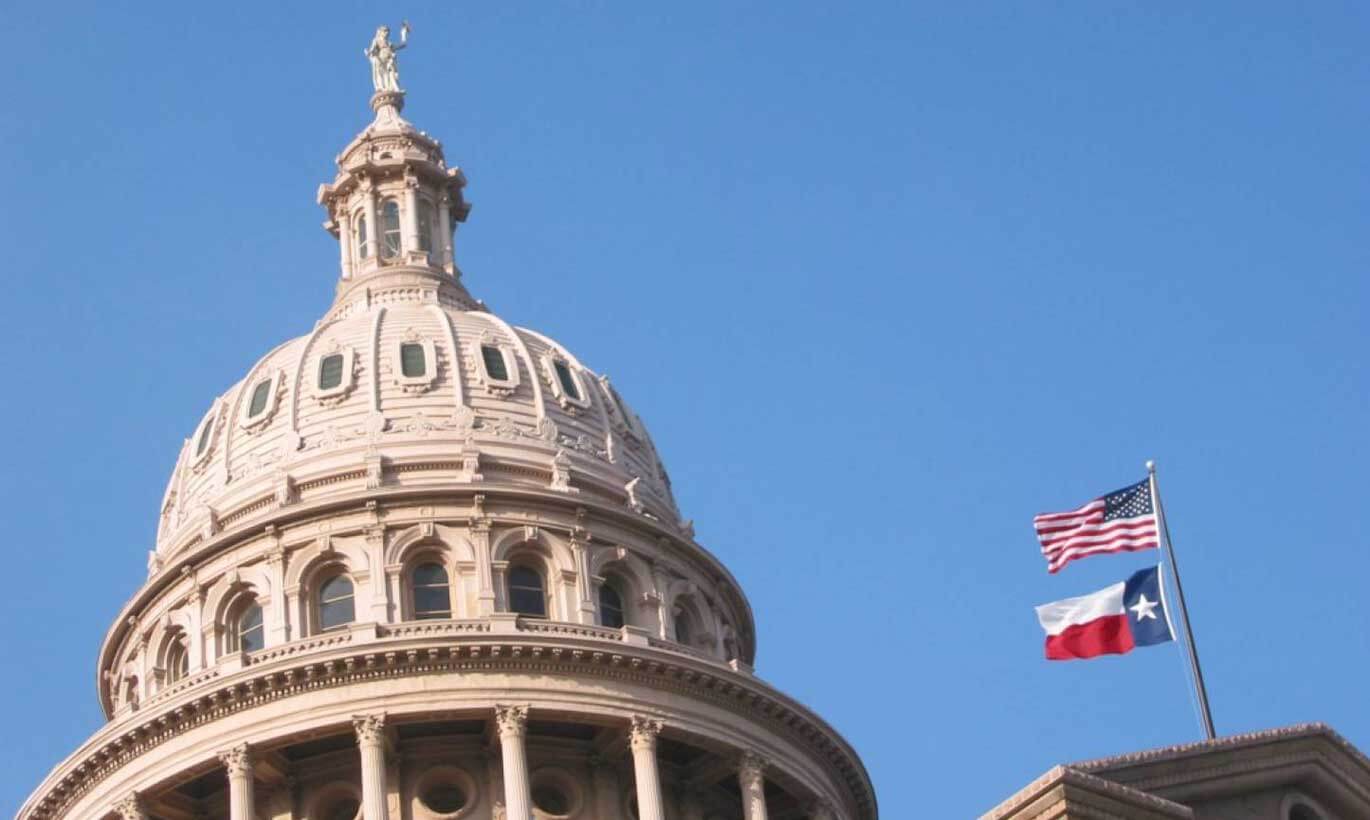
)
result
[(405, 650), (1070, 776)]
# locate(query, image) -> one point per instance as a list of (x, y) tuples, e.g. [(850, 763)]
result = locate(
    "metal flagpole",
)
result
[(1205, 713)]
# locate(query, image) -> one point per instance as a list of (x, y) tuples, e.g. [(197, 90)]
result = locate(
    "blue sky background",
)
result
[(884, 279)]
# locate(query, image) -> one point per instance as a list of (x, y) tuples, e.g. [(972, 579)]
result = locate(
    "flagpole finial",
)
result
[(1150, 466)]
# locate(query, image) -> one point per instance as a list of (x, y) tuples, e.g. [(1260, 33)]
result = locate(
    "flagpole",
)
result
[(1205, 713)]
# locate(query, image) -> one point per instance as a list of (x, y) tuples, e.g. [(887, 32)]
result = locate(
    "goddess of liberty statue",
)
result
[(385, 70)]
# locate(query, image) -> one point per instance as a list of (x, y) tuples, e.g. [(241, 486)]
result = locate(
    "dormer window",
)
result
[(333, 374), (390, 229), (259, 396), (261, 402), (495, 366), (205, 435), (330, 371), (412, 361), (566, 383), (415, 364)]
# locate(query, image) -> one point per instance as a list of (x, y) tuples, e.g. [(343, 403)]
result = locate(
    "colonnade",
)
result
[(512, 724)]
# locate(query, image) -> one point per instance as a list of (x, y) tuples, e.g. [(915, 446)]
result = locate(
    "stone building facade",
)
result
[(420, 563), (1306, 772)]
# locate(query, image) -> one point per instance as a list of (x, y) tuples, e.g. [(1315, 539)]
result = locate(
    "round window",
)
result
[(443, 798), (550, 799)]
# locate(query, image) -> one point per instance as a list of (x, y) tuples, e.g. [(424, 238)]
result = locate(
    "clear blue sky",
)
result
[(884, 279)]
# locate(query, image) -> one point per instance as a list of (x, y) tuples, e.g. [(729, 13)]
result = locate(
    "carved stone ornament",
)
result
[(370, 729), (131, 808), (752, 770), (238, 760), (634, 503), (512, 720), (561, 473), (643, 733)]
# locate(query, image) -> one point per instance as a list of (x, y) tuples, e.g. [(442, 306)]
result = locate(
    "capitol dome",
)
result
[(420, 563)]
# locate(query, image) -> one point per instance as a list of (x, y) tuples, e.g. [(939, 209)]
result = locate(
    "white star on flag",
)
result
[(1144, 608)]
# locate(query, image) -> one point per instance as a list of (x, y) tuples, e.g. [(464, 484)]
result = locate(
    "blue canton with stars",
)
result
[(1145, 608), (1129, 502)]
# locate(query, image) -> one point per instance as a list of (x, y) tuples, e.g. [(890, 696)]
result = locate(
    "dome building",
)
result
[(420, 563)]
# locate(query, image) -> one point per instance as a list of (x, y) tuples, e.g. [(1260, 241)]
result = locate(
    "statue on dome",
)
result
[(385, 69)]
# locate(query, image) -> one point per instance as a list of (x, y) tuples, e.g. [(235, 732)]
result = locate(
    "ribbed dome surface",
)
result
[(340, 411)]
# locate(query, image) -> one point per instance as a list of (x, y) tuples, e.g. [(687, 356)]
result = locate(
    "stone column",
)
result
[(642, 739), (444, 238), (371, 741), (409, 220), (485, 577), (751, 776), (513, 734), (238, 762), (131, 807), (345, 241), (372, 231)]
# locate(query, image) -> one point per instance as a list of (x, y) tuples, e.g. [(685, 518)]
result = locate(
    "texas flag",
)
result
[(1111, 621)]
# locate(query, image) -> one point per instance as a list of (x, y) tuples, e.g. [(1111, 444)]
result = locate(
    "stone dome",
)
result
[(420, 563), (484, 402)]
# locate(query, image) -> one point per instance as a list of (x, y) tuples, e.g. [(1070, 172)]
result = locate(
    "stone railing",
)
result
[(423, 629)]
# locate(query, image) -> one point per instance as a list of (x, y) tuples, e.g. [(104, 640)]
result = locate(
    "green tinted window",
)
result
[(494, 363), (260, 394), (568, 384), (331, 371), (412, 362)]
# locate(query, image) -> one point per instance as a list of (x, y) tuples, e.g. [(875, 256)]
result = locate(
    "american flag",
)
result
[(1122, 521)]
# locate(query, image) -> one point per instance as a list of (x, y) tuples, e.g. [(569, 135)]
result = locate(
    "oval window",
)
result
[(551, 800), (443, 798)]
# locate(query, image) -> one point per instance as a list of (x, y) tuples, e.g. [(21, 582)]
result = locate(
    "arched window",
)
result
[(390, 229), (177, 661), (432, 598), (610, 606), (363, 246), (336, 606), (413, 363), (684, 626), (206, 430), (250, 634), (425, 224), (526, 595)]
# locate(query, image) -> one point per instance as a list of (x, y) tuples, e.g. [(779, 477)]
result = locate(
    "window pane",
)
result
[(424, 221), (429, 575), (568, 384), (610, 607), (363, 247), (335, 603), (525, 592), (260, 394), (250, 632), (390, 236), (494, 363), (412, 363), (684, 630), (431, 602), (331, 371)]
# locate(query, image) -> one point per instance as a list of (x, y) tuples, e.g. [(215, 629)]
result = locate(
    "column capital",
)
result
[(512, 719), (132, 807), (370, 729), (238, 760), (643, 733), (751, 768)]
